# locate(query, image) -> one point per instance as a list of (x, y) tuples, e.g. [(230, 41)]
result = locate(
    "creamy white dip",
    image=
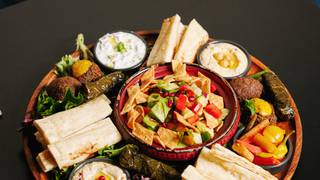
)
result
[(208, 58), (120, 50), (94, 170)]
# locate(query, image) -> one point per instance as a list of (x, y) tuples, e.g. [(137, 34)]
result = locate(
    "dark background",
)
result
[(34, 34)]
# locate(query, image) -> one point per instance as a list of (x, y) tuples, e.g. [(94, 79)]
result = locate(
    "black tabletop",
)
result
[(35, 34)]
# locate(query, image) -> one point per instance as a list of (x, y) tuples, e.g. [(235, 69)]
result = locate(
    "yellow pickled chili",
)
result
[(280, 152), (282, 149), (262, 107), (274, 134), (264, 143)]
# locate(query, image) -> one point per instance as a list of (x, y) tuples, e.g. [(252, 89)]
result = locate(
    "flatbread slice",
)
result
[(193, 38), (82, 146), (60, 125), (163, 49), (221, 163), (46, 161)]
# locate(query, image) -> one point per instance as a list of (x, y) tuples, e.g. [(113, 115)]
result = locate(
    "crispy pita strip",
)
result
[(168, 137), (205, 83), (184, 122), (157, 140), (219, 126), (143, 133), (169, 78), (140, 110), (141, 98), (180, 71), (132, 116), (132, 93), (216, 100), (147, 78), (210, 120)]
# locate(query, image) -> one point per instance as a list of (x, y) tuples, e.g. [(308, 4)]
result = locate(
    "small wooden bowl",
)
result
[(180, 154)]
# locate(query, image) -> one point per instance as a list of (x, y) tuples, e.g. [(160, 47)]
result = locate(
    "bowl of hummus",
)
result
[(98, 169), (120, 50), (226, 58)]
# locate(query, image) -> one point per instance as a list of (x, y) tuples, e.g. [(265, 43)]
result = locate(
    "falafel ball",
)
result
[(247, 88), (59, 86), (86, 71)]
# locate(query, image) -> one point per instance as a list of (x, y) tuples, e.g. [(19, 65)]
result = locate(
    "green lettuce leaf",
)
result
[(47, 105)]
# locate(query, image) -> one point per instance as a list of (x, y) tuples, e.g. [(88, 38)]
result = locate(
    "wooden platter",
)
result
[(29, 143)]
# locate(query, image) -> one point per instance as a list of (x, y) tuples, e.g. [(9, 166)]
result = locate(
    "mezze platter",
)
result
[(49, 141)]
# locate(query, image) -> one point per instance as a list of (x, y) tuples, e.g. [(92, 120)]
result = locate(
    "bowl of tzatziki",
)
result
[(120, 50)]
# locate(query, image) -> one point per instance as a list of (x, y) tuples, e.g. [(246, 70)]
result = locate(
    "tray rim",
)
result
[(38, 174)]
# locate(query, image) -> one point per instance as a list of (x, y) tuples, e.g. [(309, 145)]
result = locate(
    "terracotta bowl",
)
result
[(180, 154)]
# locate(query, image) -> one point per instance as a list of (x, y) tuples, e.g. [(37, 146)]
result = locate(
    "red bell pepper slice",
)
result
[(181, 102), (146, 110), (170, 125), (183, 87), (265, 161), (181, 128), (193, 119), (213, 87), (196, 108), (252, 148), (190, 93), (213, 110)]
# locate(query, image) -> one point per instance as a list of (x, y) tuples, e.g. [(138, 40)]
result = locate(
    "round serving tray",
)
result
[(150, 36)]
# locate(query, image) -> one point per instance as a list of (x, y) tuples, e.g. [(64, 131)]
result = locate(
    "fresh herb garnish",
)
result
[(250, 105), (47, 105), (63, 173), (63, 67), (109, 152), (120, 47)]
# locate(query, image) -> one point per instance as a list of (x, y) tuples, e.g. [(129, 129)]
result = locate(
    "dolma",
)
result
[(279, 95), (131, 159), (103, 85)]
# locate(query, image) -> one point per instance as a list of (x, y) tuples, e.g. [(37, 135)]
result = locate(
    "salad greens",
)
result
[(159, 108), (167, 86), (250, 105), (47, 105), (109, 152), (63, 173)]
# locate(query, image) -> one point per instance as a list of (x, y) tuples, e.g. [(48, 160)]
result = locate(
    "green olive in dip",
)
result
[(99, 170), (225, 58)]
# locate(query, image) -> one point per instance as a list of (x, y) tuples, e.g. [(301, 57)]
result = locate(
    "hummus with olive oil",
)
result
[(99, 170), (225, 59)]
